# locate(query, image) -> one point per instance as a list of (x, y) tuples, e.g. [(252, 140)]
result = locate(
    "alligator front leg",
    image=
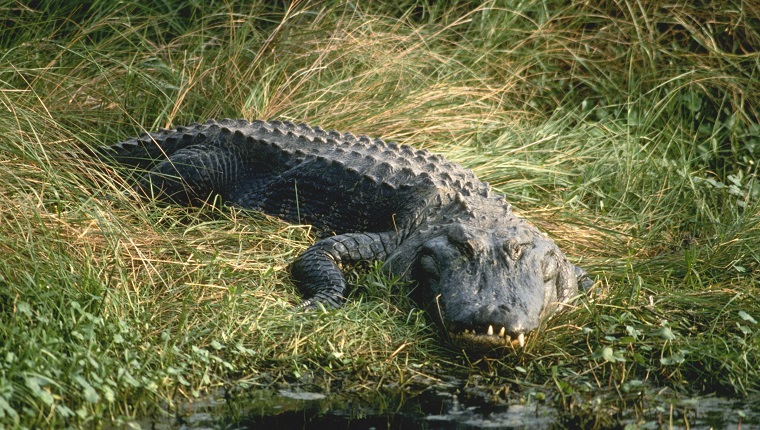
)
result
[(317, 272)]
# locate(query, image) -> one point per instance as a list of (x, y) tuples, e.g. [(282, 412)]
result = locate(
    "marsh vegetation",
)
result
[(627, 130)]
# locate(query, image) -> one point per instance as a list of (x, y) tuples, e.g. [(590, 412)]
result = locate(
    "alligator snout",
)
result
[(491, 325), (493, 336)]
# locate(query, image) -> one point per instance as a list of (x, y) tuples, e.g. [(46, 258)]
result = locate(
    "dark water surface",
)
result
[(442, 408)]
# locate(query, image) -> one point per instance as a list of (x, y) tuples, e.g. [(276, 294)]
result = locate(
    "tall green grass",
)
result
[(627, 130)]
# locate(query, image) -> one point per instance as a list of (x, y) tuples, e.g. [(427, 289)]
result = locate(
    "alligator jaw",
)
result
[(486, 338)]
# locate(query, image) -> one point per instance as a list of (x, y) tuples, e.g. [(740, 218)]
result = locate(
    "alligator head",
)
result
[(488, 287)]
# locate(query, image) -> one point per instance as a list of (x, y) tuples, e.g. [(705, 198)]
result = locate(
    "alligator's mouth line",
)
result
[(488, 336), (481, 336)]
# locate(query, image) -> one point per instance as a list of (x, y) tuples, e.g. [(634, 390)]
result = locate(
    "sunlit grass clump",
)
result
[(629, 133)]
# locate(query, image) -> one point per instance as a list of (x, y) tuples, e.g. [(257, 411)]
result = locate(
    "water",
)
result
[(447, 408)]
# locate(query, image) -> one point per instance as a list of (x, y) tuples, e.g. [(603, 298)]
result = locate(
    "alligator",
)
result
[(485, 276)]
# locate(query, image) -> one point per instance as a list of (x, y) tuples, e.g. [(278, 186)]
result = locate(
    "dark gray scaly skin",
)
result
[(485, 275)]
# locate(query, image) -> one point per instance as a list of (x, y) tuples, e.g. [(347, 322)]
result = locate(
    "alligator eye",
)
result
[(467, 248), (463, 241), (513, 249)]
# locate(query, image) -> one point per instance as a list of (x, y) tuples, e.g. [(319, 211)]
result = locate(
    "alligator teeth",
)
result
[(521, 339), (502, 332), (490, 330)]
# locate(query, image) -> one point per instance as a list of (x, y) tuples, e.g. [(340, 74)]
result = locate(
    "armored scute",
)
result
[(485, 275)]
